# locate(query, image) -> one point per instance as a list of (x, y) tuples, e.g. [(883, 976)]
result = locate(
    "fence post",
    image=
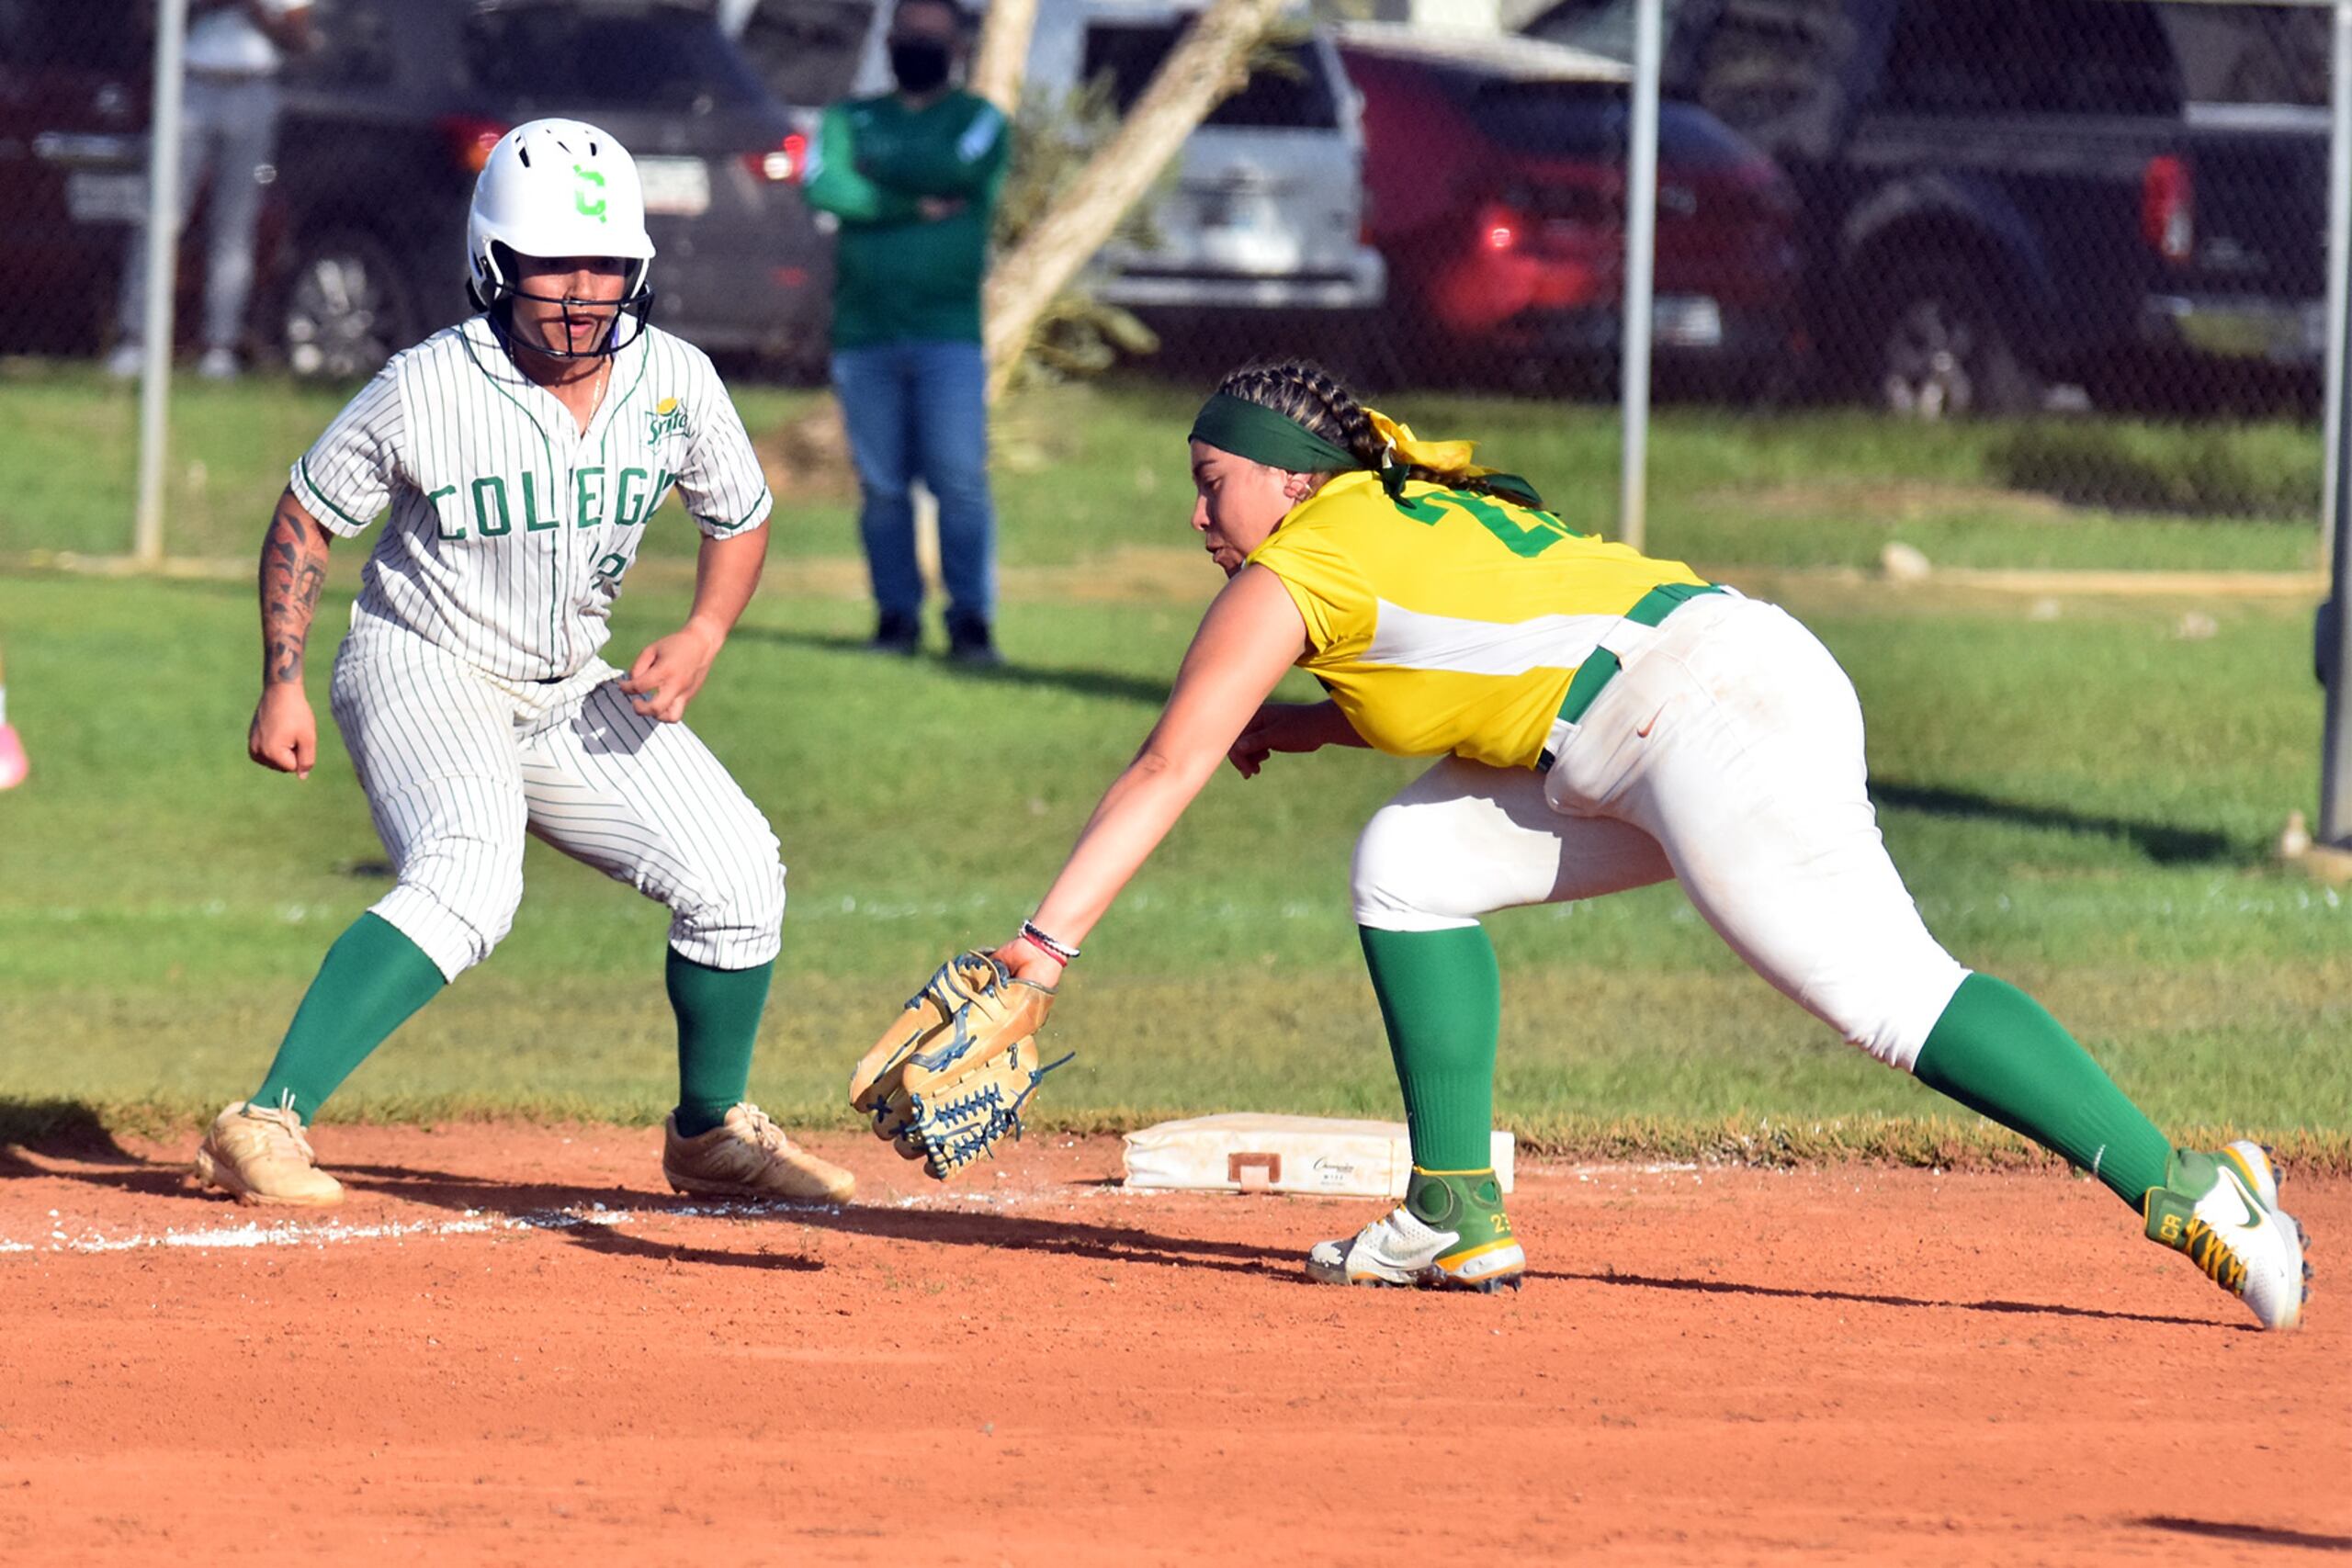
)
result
[(2332, 634), (162, 268), (1641, 255)]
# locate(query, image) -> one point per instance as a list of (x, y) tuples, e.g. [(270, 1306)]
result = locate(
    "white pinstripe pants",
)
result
[(1727, 755), (458, 765)]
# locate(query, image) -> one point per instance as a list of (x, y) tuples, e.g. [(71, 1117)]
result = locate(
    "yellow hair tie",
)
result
[(1449, 457)]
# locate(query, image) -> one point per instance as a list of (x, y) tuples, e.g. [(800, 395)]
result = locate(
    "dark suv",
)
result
[(72, 139), (385, 127), (1997, 194)]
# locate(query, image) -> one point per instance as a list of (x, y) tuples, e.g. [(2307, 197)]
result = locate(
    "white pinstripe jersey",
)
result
[(511, 527)]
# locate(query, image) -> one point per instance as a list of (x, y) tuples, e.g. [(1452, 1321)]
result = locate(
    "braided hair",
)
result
[(1303, 391)]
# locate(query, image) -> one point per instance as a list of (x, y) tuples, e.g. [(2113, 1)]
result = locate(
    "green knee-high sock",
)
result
[(719, 1022), (373, 978), (1997, 1052), (1442, 998)]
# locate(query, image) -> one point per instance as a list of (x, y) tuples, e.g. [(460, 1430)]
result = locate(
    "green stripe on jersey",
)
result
[(303, 463)]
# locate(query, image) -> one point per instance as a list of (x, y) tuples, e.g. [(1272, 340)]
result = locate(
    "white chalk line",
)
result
[(255, 1234)]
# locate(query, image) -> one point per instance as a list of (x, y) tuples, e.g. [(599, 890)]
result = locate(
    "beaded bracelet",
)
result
[(1061, 953)]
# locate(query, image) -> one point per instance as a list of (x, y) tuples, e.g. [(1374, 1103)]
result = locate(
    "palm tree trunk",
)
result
[(1202, 70), (1004, 53)]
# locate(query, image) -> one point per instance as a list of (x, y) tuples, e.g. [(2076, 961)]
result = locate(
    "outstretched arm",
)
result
[(285, 733), (669, 672), (1250, 636)]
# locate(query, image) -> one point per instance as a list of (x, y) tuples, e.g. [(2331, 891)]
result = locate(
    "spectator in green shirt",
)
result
[(913, 176)]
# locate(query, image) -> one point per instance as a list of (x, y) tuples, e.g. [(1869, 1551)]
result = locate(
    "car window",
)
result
[(107, 36), (807, 50), (2029, 57), (1602, 27), (1549, 119), (1587, 119), (355, 45), (2249, 54), (1764, 58), (657, 59), (1293, 91)]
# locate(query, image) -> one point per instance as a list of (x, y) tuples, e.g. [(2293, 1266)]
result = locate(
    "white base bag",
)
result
[(1243, 1151)]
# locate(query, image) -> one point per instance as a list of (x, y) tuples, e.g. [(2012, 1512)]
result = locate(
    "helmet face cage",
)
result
[(498, 263), (553, 188)]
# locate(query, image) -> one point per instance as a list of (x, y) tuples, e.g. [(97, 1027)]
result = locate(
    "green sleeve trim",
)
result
[(767, 499), (303, 465)]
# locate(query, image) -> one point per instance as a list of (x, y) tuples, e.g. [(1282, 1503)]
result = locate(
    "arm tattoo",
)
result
[(293, 571)]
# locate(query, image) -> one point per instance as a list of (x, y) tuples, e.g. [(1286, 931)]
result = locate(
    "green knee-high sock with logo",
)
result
[(1442, 998), (1997, 1052), (719, 1022), (372, 980)]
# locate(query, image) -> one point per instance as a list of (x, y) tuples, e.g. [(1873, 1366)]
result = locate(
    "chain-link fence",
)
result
[(2067, 213)]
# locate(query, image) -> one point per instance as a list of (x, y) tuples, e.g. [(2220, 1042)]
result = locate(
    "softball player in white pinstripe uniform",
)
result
[(522, 454)]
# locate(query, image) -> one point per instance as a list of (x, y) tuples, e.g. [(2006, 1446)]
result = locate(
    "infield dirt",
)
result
[(513, 1345)]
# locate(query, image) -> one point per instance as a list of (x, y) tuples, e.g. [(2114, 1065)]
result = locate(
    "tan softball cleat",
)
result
[(259, 1156), (748, 1156)]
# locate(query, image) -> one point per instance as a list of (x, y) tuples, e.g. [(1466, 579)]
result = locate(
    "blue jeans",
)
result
[(919, 411)]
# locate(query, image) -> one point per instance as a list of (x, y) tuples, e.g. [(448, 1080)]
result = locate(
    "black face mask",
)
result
[(920, 65)]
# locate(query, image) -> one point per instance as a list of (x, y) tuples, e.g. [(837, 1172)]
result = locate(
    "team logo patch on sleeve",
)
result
[(668, 418)]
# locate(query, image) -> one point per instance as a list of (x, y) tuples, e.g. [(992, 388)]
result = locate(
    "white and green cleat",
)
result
[(2221, 1211), (1450, 1232)]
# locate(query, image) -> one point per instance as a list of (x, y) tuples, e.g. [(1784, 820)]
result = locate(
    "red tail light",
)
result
[(470, 139), (783, 164), (2168, 209)]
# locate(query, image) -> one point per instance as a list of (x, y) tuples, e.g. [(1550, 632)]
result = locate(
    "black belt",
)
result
[(1601, 667)]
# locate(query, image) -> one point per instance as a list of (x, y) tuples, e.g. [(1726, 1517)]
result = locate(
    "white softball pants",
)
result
[(1726, 754), (458, 765)]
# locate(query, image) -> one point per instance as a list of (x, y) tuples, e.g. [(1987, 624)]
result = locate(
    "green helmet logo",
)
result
[(588, 209)]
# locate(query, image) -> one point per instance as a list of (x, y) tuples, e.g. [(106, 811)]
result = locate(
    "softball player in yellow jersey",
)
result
[(1602, 721)]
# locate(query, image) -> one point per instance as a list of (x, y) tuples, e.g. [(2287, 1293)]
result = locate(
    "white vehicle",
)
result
[(1267, 206)]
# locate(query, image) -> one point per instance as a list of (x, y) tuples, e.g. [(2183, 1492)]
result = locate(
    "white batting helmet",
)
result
[(556, 187)]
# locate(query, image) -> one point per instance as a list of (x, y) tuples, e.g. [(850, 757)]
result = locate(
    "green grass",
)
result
[(2203, 470), (1083, 470), (2081, 804)]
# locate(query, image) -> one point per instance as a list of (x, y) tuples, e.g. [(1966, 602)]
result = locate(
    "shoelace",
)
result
[(287, 1121), (765, 1133), (2210, 1253), (2206, 1248)]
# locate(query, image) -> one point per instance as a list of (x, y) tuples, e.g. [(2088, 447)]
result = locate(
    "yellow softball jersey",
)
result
[(1448, 621)]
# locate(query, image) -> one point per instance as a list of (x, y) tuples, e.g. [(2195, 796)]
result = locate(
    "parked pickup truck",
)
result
[(1996, 195)]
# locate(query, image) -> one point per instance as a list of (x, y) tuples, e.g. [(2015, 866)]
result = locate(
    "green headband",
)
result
[(1250, 430), (1247, 430)]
